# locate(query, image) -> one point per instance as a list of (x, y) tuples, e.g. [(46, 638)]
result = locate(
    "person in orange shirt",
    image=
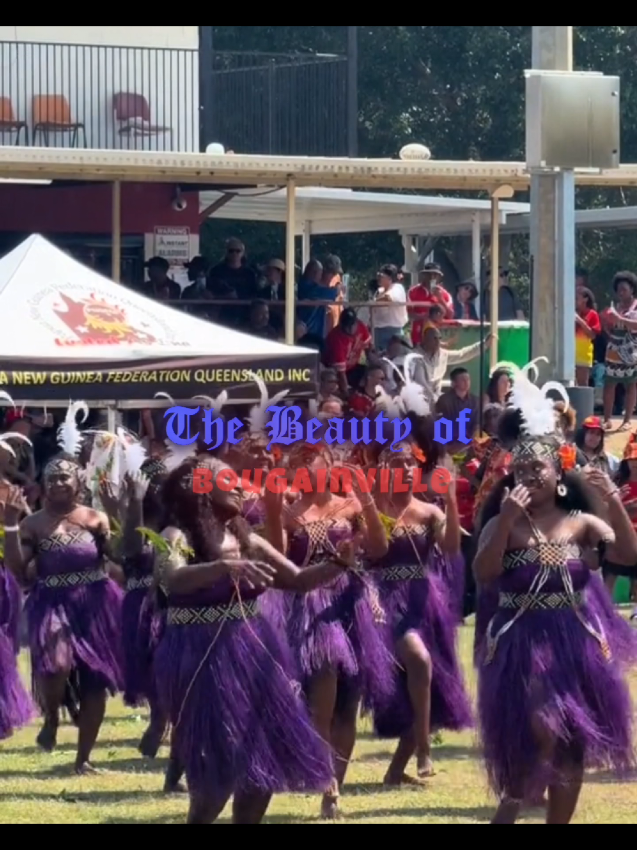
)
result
[(333, 278), (588, 327)]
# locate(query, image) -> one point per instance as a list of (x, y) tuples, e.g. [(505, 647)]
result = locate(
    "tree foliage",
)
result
[(460, 90)]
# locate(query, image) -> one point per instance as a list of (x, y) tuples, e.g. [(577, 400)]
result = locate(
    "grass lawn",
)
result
[(36, 788)]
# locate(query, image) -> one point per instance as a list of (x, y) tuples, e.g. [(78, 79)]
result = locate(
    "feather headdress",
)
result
[(258, 418), (69, 436), (178, 455), (6, 397), (536, 409), (6, 439), (412, 397)]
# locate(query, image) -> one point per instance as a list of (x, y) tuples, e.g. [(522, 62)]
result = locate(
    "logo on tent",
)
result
[(95, 321)]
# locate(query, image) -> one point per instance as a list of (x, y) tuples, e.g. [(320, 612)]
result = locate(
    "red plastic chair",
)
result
[(9, 123), (132, 112)]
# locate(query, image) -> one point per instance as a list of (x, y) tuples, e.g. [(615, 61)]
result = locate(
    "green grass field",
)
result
[(37, 788)]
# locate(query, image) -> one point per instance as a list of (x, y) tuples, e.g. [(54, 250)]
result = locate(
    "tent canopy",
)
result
[(321, 211), (71, 333)]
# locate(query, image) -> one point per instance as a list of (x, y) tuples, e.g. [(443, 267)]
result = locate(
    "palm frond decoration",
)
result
[(163, 546), (389, 525)]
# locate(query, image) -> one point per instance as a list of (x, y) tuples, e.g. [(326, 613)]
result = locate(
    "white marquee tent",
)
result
[(70, 333)]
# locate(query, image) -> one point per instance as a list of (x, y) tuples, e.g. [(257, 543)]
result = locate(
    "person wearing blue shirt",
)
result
[(310, 288)]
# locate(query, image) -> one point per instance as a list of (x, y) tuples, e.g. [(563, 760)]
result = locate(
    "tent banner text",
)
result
[(145, 383)]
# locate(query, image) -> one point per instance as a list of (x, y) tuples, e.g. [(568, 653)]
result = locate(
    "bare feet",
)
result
[(329, 809), (48, 738), (426, 768), (175, 790), (87, 769), (404, 781), (150, 744)]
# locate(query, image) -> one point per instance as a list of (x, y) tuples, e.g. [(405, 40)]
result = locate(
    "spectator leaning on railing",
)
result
[(427, 293)]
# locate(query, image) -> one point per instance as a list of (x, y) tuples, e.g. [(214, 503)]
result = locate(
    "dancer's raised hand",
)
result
[(515, 503)]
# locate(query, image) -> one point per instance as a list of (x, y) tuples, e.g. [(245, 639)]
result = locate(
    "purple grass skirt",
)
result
[(11, 604), (549, 670), (239, 720), (340, 628), (142, 629), (451, 569), (16, 709), (623, 636), (422, 606), (486, 608), (78, 630)]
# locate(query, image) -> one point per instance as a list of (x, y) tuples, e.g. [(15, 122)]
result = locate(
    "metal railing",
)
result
[(280, 104), (99, 97)]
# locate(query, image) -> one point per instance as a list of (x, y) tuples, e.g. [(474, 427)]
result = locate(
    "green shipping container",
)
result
[(514, 346)]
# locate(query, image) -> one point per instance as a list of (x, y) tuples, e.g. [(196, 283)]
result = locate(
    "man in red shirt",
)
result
[(344, 349), (362, 401), (428, 292)]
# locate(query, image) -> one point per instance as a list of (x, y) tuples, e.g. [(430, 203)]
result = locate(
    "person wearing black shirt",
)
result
[(161, 287), (233, 279), (510, 306)]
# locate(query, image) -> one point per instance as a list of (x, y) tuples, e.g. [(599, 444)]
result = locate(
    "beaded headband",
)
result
[(528, 449), (62, 466)]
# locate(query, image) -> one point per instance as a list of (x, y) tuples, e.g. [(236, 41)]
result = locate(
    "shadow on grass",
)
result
[(480, 814), (91, 797), (131, 744)]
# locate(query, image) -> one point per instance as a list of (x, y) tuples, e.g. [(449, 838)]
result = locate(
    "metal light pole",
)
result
[(553, 234), (352, 91), (206, 92)]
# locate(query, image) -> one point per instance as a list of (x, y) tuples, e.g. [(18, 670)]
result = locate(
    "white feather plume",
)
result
[(178, 455), (69, 435), (134, 453), (535, 406), (6, 397), (6, 439), (258, 418), (165, 397), (216, 404), (412, 397), (388, 404)]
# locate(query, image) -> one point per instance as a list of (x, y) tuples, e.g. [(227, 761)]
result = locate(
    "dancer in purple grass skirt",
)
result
[(224, 673), (429, 693), (74, 609), (553, 697), (16, 708), (143, 623), (336, 631)]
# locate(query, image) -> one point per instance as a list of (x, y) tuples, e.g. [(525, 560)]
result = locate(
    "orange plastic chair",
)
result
[(9, 123), (52, 114)]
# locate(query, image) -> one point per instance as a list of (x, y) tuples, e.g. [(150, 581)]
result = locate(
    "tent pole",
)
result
[(290, 264), (307, 244), (117, 232), (495, 277)]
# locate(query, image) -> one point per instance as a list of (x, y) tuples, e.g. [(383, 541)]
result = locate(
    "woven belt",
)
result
[(213, 615), (144, 583), (65, 580), (413, 572), (540, 601)]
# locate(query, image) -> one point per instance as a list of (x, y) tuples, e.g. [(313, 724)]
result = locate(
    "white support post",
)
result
[(307, 244), (553, 234), (117, 232), (290, 262)]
